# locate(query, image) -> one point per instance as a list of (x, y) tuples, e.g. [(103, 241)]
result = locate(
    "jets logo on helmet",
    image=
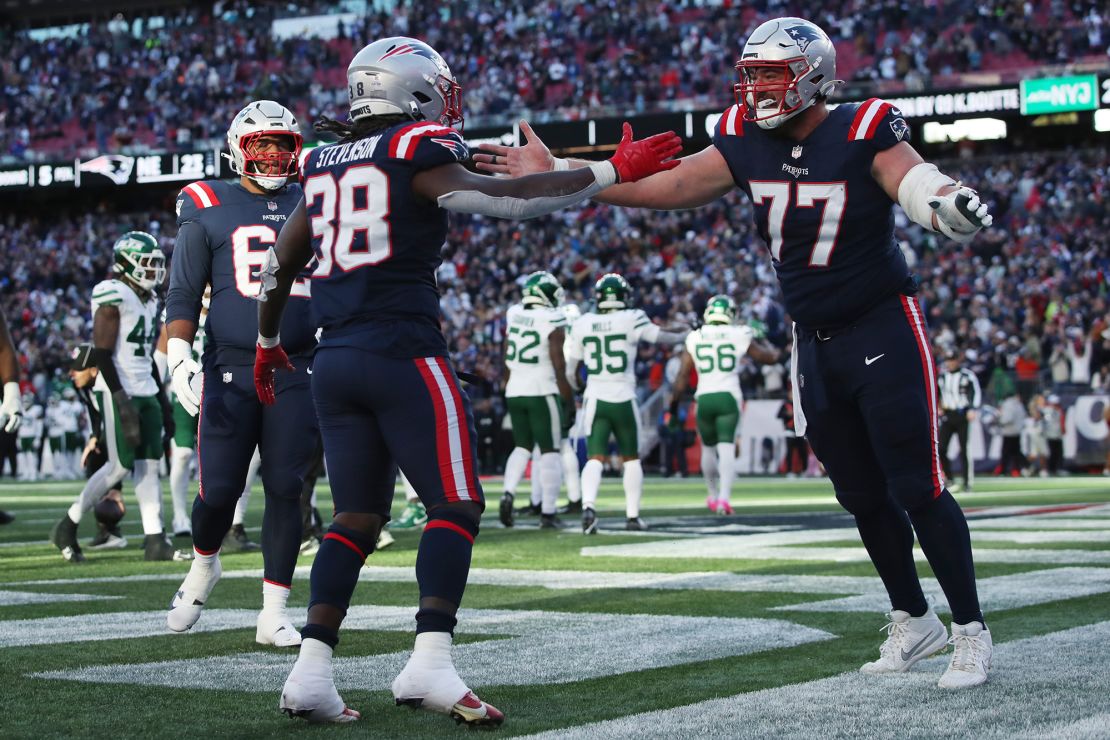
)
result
[(259, 121), (542, 289), (403, 76), (138, 259), (721, 309), (806, 59), (612, 292)]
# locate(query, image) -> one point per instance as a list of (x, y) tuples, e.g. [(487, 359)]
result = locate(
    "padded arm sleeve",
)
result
[(519, 208), (918, 185)]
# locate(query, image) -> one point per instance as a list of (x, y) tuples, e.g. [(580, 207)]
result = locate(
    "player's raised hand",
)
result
[(635, 160), (516, 161), (267, 361), (961, 214)]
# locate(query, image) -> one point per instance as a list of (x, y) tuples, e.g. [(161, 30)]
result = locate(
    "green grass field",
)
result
[(745, 626)]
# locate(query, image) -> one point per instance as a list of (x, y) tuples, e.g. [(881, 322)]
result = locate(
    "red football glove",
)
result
[(636, 160), (266, 363)]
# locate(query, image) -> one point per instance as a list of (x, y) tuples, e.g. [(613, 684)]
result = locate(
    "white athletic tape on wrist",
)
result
[(919, 184), (561, 165), (177, 351), (269, 342)]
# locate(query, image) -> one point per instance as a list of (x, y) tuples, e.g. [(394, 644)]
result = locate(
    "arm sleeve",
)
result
[(190, 272)]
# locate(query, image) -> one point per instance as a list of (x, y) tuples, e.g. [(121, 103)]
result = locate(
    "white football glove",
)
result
[(183, 368), (960, 214), (11, 410)]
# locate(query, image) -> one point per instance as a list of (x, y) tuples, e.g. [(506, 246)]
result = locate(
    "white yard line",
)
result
[(1049, 686)]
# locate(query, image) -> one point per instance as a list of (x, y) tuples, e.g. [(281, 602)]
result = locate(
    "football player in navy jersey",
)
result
[(823, 182), (225, 229), (374, 218)]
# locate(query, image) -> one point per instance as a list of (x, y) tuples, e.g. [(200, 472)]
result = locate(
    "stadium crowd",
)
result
[(172, 81), (1026, 302)]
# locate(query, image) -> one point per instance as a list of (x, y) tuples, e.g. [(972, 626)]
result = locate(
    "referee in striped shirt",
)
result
[(959, 398)]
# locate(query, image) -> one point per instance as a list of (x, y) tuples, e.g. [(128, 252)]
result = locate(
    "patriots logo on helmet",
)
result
[(803, 36), (419, 50), (454, 146)]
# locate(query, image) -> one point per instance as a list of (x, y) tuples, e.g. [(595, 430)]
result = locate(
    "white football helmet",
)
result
[(269, 170), (400, 75), (806, 55)]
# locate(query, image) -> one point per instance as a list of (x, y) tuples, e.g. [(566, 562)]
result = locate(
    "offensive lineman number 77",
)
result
[(833, 193)]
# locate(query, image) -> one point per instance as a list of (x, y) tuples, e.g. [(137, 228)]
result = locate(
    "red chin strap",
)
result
[(747, 87), (270, 164), (452, 102)]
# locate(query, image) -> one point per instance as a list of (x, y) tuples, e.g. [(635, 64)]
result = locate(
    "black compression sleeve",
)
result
[(107, 368)]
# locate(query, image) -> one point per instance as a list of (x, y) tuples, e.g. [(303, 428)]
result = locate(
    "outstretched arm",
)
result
[(929, 197), (284, 262), (697, 180), (455, 188)]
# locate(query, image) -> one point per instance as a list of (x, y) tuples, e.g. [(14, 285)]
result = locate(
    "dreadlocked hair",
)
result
[(349, 131)]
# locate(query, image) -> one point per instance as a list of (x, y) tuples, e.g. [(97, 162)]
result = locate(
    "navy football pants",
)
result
[(232, 422), (869, 396), (375, 411)]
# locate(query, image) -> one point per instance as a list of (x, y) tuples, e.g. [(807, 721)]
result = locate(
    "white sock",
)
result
[(514, 468), (202, 562), (96, 488), (571, 472), (551, 474), (535, 479), (179, 487), (591, 482), (709, 470), (432, 647), (274, 597), (315, 651), (149, 494), (633, 480), (726, 453)]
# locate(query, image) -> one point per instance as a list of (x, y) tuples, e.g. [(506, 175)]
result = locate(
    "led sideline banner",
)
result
[(1032, 97)]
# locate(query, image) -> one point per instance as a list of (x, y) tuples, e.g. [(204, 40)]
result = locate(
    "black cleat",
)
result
[(572, 507), (505, 513), (236, 540), (589, 521), (159, 547), (636, 524), (64, 537), (6, 518), (529, 509), (550, 521)]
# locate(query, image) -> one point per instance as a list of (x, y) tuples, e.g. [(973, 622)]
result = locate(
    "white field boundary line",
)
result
[(1052, 686)]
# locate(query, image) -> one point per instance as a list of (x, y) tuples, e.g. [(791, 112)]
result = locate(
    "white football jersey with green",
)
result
[(528, 350), (716, 350), (606, 343), (138, 330)]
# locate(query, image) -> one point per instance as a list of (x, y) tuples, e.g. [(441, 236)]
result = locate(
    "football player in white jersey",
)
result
[(30, 432), (605, 341), (125, 327), (715, 350), (537, 393)]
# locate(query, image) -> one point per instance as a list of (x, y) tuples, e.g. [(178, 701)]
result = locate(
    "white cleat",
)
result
[(276, 629), (310, 693), (188, 602), (439, 689), (909, 639), (971, 656)]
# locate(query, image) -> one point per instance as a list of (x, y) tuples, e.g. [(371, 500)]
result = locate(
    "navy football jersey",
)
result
[(377, 243), (827, 222), (224, 232)]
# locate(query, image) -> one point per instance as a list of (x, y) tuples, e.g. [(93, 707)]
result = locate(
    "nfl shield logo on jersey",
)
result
[(796, 152), (227, 377), (271, 205)]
